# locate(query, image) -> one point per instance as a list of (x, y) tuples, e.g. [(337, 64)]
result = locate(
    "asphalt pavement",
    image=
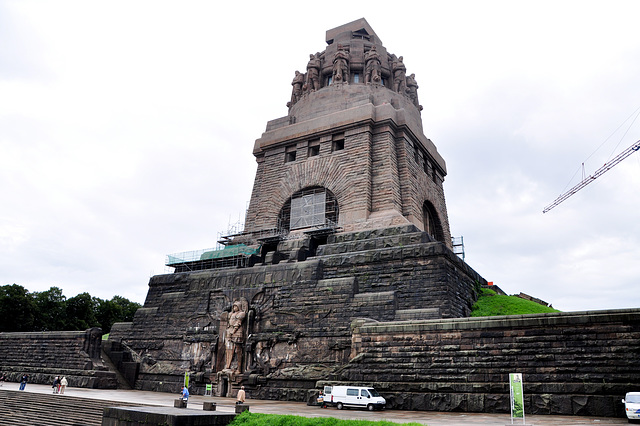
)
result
[(297, 408)]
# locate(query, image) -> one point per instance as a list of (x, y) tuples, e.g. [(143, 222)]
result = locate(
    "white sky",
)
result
[(126, 132)]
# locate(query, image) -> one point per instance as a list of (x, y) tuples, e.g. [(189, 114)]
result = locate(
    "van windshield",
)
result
[(632, 399), (373, 392)]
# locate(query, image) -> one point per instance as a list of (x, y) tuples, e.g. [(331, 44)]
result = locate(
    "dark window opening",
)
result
[(315, 243), (314, 150), (266, 248), (337, 144), (290, 154)]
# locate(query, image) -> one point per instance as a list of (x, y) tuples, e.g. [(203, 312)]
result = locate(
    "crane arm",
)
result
[(602, 170)]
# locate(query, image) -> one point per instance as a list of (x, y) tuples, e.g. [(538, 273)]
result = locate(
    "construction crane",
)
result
[(602, 170)]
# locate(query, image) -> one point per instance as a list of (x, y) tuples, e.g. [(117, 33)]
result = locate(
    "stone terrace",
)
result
[(74, 354)]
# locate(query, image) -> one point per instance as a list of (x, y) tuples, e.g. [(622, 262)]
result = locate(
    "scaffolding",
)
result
[(458, 246), (238, 256)]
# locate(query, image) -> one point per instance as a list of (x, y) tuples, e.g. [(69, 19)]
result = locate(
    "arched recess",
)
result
[(431, 221), (311, 206)]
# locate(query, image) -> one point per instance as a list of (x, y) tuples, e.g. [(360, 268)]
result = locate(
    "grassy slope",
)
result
[(259, 419), (489, 303)]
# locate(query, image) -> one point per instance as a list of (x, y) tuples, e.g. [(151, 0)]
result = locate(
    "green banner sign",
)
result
[(517, 396)]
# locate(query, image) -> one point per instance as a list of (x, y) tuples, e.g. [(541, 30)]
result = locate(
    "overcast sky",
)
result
[(127, 129)]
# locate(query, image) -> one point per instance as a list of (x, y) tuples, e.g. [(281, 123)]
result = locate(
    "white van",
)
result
[(353, 396), (632, 405)]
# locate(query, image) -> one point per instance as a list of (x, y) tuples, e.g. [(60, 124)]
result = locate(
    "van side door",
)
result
[(353, 396)]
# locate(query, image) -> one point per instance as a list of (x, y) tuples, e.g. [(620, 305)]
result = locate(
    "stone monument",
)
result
[(347, 220)]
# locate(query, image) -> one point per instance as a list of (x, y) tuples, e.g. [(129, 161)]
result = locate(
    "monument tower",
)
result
[(351, 153), (347, 224)]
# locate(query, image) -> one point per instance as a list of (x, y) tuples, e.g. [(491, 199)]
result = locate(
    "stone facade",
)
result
[(44, 355), (298, 314), (575, 363)]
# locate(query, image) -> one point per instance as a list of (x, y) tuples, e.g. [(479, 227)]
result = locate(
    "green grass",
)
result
[(259, 419), (489, 304)]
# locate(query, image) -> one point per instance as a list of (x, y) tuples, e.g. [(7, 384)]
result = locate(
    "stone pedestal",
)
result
[(162, 416), (209, 406), (241, 408), (180, 403)]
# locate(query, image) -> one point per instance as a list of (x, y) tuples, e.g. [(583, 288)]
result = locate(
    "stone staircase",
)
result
[(37, 409)]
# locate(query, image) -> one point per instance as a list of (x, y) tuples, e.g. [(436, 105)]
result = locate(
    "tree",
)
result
[(50, 305), (118, 309), (129, 308), (17, 309), (81, 312)]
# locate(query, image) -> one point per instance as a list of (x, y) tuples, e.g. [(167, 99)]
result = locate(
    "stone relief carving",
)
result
[(235, 335), (372, 74), (340, 73), (341, 65), (313, 73)]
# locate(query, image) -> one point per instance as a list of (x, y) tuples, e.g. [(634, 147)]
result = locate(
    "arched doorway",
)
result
[(431, 221)]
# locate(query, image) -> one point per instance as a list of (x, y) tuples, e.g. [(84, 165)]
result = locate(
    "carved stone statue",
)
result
[(235, 339), (296, 93), (341, 65), (412, 90), (313, 74), (372, 66), (399, 76)]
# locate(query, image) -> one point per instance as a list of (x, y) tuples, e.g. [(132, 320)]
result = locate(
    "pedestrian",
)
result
[(56, 383), (241, 396), (63, 384), (185, 394), (23, 381)]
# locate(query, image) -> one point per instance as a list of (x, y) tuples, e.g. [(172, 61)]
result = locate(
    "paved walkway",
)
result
[(285, 407)]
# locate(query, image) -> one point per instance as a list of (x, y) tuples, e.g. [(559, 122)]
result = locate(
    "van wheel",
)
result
[(370, 407), (339, 405)]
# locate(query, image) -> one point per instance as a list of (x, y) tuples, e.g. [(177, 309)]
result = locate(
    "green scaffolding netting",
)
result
[(230, 251)]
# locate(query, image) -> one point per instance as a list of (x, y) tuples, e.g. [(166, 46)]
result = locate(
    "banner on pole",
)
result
[(186, 379), (517, 396)]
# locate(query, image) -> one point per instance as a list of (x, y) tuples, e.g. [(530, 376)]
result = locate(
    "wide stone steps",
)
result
[(37, 409)]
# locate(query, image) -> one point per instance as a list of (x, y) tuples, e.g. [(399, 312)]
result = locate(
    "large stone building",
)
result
[(345, 272), (347, 220)]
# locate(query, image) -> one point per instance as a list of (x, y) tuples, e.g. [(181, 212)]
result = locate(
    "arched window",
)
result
[(431, 221), (308, 207)]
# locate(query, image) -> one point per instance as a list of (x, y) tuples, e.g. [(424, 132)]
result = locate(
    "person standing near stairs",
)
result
[(23, 381), (63, 384)]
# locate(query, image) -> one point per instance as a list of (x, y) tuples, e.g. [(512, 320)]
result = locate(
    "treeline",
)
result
[(50, 310)]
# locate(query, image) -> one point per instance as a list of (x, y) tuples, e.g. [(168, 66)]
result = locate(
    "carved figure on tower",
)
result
[(399, 75), (313, 74), (372, 66), (412, 90), (296, 93), (341, 65)]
